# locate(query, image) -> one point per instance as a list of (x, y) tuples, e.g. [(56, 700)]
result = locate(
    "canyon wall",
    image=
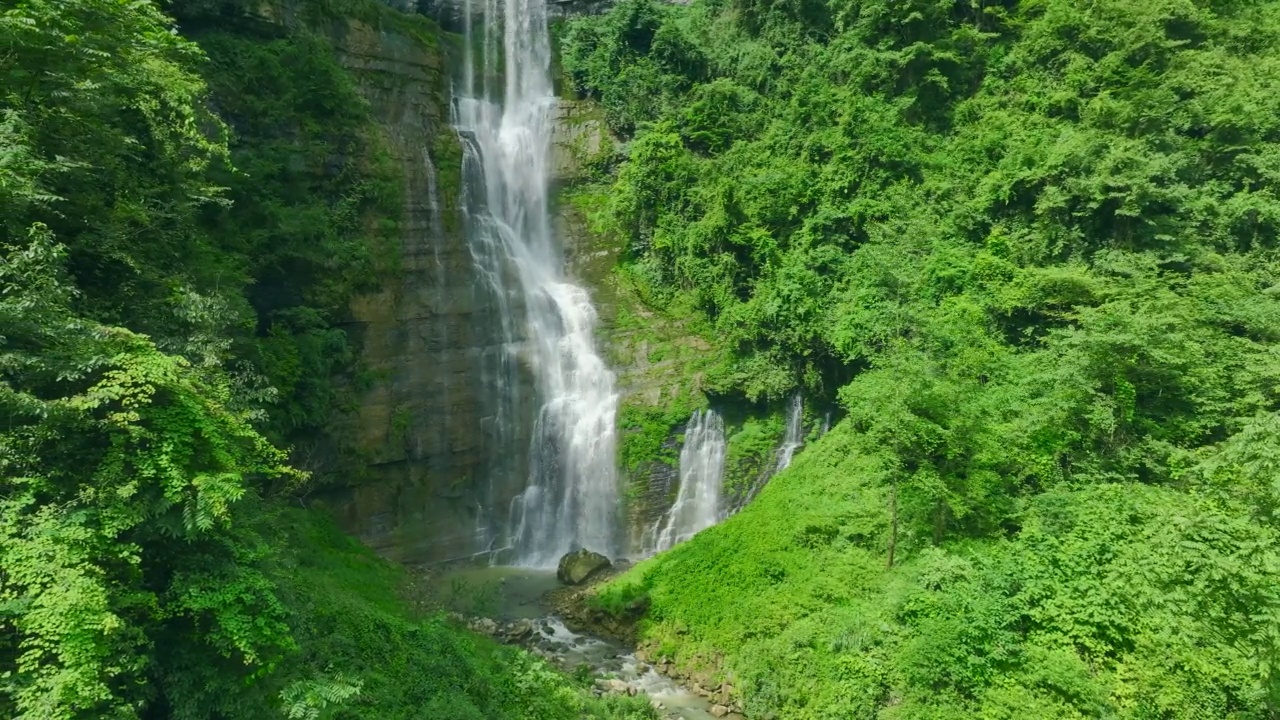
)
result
[(432, 479), (407, 463)]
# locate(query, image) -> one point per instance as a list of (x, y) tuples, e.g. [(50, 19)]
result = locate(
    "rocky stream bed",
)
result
[(532, 609)]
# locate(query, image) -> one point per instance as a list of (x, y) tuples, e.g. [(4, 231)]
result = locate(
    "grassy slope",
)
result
[(353, 623), (1100, 607)]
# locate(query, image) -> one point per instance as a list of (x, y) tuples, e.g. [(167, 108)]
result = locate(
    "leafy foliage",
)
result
[(353, 629), (241, 235), (1118, 600), (1029, 247), (313, 197), (123, 469)]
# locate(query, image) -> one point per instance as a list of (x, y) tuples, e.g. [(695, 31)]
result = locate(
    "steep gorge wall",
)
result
[(406, 464), (416, 432), (437, 476), (420, 473)]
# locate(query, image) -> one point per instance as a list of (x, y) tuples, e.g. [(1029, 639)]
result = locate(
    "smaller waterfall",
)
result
[(794, 437), (437, 220), (697, 504)]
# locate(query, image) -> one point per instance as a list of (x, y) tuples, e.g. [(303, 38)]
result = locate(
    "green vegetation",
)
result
[(314, 201), (750, 451), (667, 357), (1030, 249), (1109, 601), (1028, 246), (351, 623), (644, 434), (181, 228)]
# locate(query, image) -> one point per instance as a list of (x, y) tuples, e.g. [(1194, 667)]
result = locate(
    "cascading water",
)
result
[(437, 219), (547, 324), (697, 505), (794, 437)]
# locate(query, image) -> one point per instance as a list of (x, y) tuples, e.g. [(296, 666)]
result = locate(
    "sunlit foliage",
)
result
[(1030, 249)]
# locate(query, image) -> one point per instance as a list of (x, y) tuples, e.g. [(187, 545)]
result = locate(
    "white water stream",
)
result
[(697, 505), (570, 498), (794, 438), (507, 595)]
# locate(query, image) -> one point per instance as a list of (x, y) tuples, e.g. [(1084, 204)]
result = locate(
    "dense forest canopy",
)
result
[(1030, 247)]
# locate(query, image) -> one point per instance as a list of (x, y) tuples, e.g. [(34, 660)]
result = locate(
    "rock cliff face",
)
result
[(578, 137), (413, 467), (412, 502), (423, 475), (408, 467), (427, 468)]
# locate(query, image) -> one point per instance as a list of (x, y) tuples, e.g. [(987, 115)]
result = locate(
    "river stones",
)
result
[(622, 688), (519, 631), (577, 566)]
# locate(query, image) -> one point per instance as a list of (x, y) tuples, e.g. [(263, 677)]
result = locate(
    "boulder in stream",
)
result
[(519, 630), (578, 566)]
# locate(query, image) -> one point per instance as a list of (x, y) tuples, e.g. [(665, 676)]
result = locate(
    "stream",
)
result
[(510, 597)]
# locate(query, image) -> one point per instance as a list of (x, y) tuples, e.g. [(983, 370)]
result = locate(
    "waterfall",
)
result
[(697, 504), (794, 437), (437, 220), (547, 324), (441, 300)]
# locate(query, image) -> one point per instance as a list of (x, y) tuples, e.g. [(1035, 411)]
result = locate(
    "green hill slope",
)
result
[(1030, 249)]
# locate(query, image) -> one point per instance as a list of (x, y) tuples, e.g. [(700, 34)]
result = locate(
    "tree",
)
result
[(121, 469)]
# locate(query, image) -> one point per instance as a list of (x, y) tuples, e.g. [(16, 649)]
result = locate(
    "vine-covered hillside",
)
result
[(1030, 247)]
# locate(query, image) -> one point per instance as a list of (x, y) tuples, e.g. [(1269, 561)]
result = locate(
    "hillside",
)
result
[(1030, 250)]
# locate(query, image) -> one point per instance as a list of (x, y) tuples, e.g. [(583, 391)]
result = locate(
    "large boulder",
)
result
[(577, 566)]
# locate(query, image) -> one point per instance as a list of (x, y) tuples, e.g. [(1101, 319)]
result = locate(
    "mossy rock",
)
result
[(578, 566)]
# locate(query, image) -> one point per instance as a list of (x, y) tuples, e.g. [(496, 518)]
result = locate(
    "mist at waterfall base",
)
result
[(546, 327)]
